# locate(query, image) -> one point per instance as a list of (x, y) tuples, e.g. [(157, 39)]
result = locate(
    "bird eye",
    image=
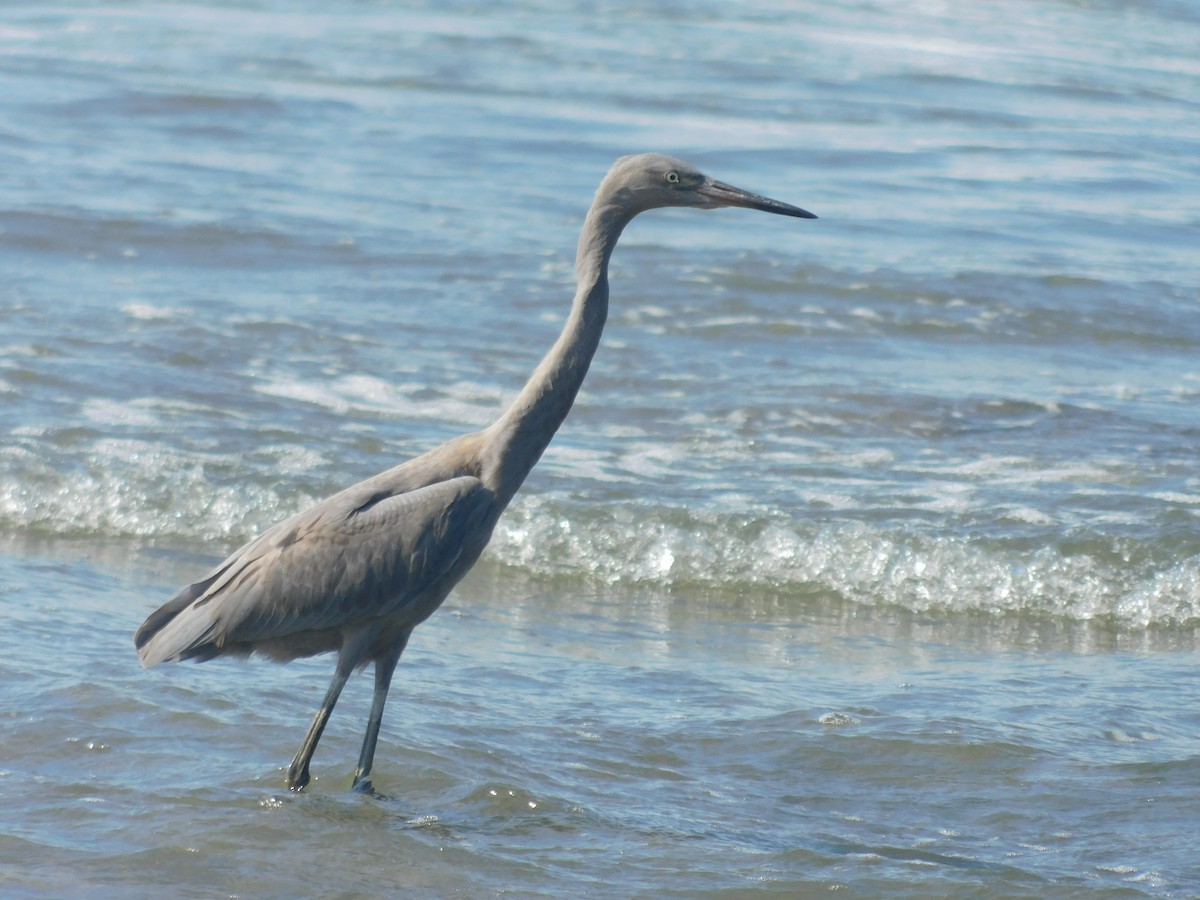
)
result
[(672, 177)]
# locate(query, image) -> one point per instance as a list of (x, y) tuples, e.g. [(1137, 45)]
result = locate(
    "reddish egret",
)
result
[(359, 571)]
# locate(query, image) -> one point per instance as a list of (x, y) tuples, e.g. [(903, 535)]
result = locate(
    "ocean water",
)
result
[(868, 559)]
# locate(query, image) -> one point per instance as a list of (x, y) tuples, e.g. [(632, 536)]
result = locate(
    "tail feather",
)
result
[(177, 629)]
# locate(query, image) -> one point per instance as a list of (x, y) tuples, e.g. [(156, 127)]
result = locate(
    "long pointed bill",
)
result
[(718, 193)]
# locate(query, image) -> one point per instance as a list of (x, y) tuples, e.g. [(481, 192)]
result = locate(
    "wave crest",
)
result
[(1089, 579)]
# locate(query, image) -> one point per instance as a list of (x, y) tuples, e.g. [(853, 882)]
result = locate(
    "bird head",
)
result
[(653, 180)]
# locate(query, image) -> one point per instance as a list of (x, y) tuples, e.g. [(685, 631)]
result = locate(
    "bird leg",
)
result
[(384, 667), (297, 777)]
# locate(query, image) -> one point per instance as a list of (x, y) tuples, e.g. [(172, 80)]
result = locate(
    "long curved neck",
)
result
[(516, 441)]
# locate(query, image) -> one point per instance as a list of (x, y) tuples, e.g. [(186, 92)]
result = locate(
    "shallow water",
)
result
[(869, 558)]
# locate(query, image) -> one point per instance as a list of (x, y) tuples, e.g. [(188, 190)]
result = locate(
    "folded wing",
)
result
[(371, 551)]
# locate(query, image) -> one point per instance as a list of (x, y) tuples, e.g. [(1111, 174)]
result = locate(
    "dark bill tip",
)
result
[(720, 194)]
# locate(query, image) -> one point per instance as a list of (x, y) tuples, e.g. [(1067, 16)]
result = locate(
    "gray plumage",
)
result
[(358, 571)]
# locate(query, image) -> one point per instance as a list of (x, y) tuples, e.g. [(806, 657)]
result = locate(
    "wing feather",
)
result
[(370, 551)]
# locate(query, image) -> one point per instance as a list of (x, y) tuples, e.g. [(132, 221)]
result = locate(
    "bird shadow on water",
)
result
[(373, 811), (454, 813), (339, 799)]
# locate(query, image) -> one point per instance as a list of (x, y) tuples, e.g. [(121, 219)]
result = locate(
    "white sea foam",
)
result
[(466, 403), (1028, 516), (111, 412), (132, 487), (147, 312), (1177, 498), (305, 392), (139, 487), (866, 564)]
